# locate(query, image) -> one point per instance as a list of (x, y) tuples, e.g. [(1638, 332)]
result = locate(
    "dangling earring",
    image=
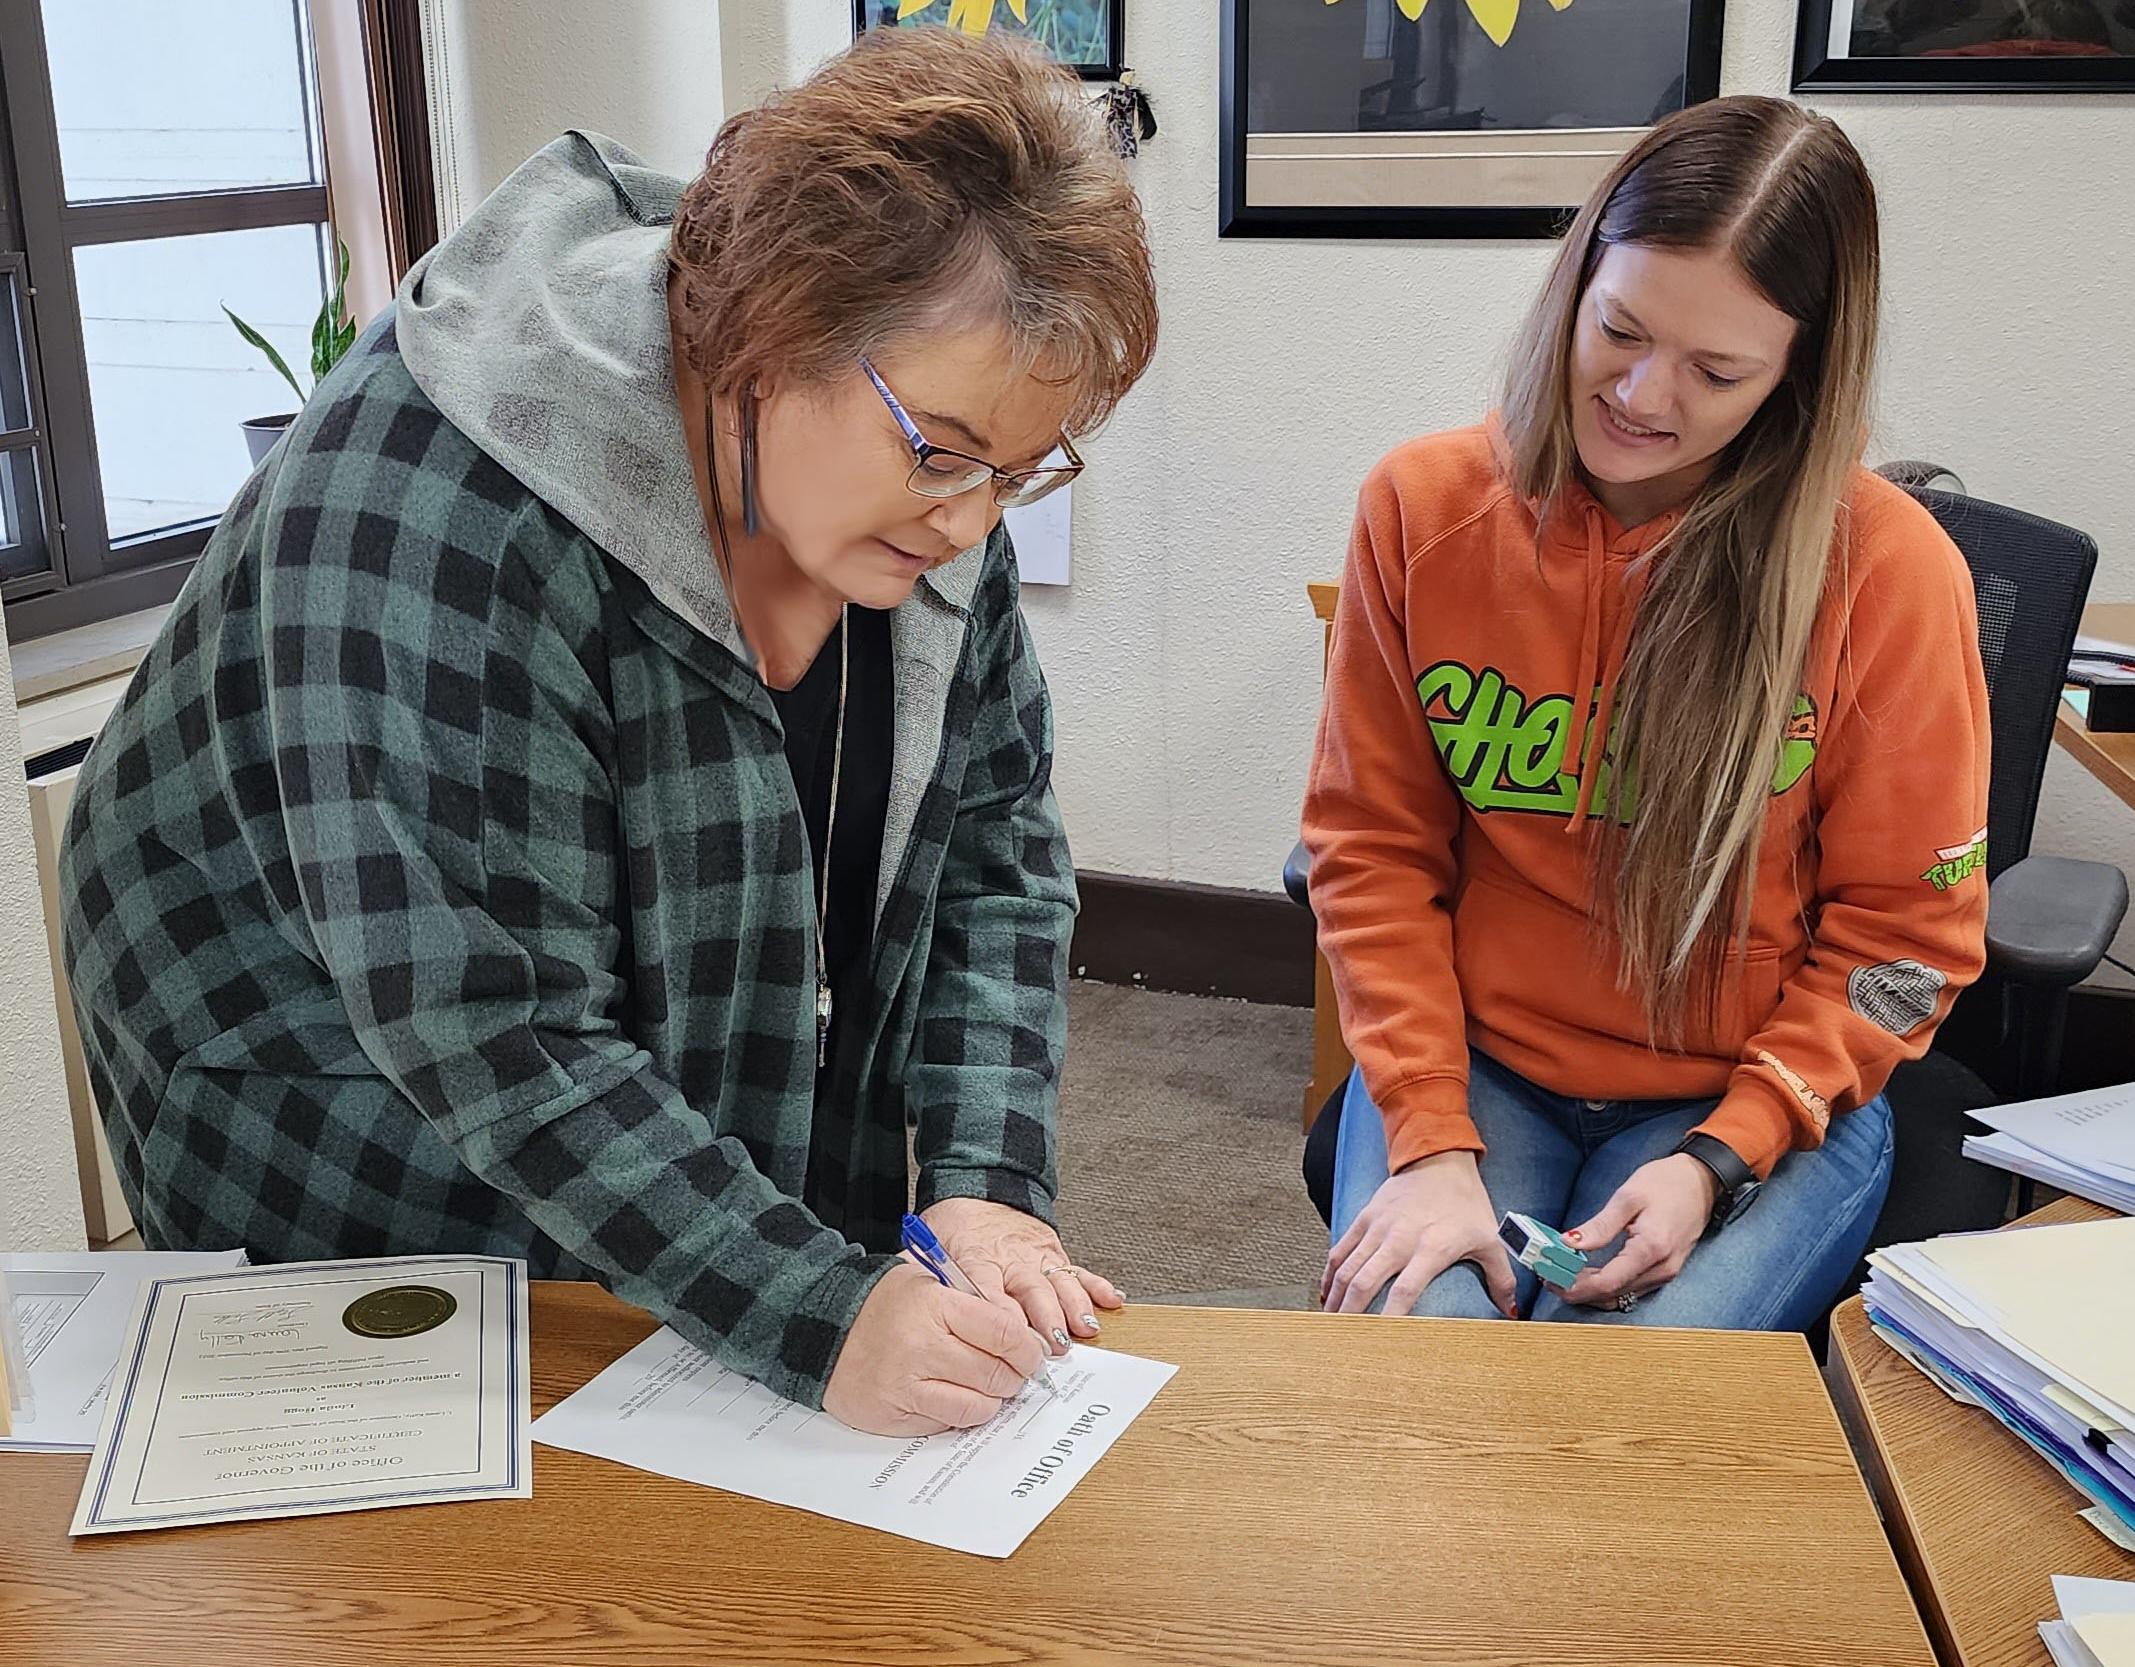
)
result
[(748, 460)]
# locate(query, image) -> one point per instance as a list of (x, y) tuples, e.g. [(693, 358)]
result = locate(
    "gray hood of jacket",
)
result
[(540, 329)]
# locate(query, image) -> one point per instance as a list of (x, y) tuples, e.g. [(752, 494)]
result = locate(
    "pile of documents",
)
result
[(73, 1312), (2097, 1624), (2081, 1143), (2035, 1325)]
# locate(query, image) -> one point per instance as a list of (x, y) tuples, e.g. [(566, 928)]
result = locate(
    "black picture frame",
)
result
[(1817, 71), (1114, 61), (1238, 218)]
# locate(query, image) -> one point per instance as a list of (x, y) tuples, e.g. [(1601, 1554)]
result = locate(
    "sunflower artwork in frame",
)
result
[(1088, 36)]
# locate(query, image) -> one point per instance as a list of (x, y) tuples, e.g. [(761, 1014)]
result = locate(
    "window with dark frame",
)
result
[(152, 171)]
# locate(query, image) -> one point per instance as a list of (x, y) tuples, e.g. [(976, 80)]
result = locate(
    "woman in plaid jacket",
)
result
[(593, 792)]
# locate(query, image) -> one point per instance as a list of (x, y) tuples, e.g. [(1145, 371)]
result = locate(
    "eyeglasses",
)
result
[(938, 472)]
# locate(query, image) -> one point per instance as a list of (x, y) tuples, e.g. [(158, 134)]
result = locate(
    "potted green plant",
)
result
[(331, 333)]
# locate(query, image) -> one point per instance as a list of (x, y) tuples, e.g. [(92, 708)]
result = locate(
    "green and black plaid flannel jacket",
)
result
[(436, 888)]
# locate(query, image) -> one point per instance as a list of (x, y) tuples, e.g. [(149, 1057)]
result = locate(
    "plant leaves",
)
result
[(905, 8), (1413, 9), (327, 341), (1017, 6), (267, 347)]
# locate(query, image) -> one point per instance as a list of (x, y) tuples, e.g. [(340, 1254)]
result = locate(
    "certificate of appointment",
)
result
[(314, 1387)]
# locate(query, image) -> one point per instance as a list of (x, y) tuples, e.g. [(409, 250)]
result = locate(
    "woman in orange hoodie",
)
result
[(1646, 816)]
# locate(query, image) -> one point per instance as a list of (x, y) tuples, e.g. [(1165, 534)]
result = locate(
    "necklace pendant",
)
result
[(822, 1023)]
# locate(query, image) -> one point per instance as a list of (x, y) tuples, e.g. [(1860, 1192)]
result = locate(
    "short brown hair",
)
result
[(918, 180)]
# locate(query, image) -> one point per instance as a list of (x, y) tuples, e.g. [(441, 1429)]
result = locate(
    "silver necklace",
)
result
[(830, 828), (837, 747)]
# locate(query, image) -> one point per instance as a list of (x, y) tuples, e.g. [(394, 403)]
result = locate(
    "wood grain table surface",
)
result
[(1308, 1489)]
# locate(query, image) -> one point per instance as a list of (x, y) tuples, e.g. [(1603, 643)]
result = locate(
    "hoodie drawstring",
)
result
[(1592, 719)]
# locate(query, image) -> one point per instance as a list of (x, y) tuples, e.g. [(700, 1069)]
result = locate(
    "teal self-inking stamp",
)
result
[(1542, 1249)]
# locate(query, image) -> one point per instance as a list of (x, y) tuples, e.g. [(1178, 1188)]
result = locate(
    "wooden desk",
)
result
[(2111, 758), (1308, 1489), (1981, 1523)]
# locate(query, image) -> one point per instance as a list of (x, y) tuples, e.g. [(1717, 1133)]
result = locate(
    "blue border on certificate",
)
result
[(514, 1277)]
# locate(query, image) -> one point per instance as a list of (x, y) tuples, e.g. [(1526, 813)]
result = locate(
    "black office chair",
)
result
[(2049, 920)]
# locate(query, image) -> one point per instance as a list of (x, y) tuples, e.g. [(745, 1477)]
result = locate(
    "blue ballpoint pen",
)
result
[(925, 1249)]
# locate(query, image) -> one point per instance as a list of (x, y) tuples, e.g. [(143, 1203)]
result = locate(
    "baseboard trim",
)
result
[(1257, 946), (1194, 940)]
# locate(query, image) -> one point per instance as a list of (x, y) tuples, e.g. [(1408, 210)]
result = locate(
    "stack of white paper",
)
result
[(2097, 1624), (75, 1309), (2081, 1143), (2035, 1325)]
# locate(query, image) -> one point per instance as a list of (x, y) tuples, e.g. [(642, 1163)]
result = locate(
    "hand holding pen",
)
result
[(921, 1357), (924, 1248)]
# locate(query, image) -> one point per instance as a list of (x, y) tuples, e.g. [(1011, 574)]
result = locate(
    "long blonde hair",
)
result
[(1716, 652)]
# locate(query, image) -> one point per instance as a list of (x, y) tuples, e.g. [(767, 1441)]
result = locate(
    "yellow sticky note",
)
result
[(2077, 1407)]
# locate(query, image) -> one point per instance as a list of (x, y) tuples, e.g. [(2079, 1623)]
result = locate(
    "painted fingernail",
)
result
[(1060, 1337), (1090, 1320)]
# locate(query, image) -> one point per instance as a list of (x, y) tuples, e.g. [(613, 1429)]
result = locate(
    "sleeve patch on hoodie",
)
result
[(1956, 863), (1818, 1108), (1897, 996)]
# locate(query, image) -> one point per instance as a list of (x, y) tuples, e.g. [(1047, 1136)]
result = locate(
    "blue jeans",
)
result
[(1776, 1267)]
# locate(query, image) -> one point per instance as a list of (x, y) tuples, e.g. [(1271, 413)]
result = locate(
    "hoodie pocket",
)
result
[(1538, 981)]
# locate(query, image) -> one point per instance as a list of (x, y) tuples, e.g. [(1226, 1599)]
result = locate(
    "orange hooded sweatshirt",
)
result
[(1447, 816)]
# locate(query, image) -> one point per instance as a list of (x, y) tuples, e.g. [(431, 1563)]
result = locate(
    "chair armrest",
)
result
[(1297, 875), (2050, 920)]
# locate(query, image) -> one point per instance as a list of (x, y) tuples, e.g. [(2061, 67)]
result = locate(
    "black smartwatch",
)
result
[(1739, 1185)]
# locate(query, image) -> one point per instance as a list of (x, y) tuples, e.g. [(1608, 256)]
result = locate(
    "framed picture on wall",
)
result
[(1444, 118), (1997, 46), (1089, 36)]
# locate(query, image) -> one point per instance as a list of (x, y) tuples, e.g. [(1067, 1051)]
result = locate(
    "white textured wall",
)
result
[(1184, 660), (771, 43), (645, 72), (40, 1194)]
